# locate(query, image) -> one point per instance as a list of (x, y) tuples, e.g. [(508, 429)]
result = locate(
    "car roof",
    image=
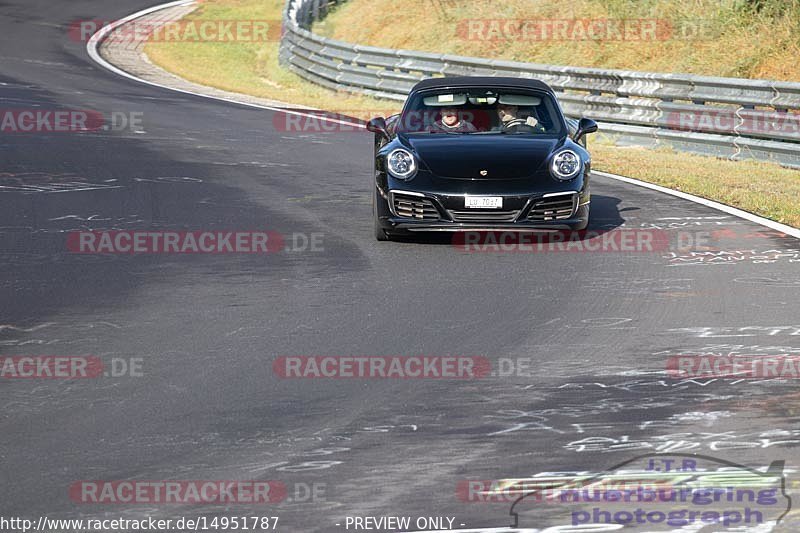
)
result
[(482, 81)]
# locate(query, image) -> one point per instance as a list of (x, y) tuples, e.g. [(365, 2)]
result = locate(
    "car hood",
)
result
[(465, 156)]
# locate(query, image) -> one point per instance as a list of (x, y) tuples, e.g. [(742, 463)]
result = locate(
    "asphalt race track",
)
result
[(596, 328)]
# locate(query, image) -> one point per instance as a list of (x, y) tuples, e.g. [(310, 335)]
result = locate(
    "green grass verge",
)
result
[(761, 188), (737, 38), (246, 67)]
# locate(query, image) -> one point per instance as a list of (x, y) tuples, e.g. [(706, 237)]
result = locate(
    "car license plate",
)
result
[(483, 202)]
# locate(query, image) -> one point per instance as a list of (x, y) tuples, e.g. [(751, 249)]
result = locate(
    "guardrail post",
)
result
[(314, 10)]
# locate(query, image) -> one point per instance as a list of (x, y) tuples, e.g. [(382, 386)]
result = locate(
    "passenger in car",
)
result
[(452, 120)]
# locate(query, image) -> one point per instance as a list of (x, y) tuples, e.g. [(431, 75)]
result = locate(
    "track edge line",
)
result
[(777, 226)]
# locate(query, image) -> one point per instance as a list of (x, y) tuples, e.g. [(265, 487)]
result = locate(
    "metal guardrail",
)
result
[(727, 117)]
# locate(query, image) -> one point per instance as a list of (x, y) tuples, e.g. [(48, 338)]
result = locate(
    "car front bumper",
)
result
[(404, 225), (414, 211)]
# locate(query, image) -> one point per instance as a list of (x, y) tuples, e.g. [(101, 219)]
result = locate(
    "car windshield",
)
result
[(481, 111)]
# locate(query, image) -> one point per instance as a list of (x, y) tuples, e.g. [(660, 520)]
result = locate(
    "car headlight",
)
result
[(566, 165), (401, 164)]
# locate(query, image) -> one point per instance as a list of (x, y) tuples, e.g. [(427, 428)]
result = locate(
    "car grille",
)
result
[(553, 208), (475, 215), (408, 206)]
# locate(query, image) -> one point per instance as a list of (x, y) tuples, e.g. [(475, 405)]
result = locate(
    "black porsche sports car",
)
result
[(480, 154)]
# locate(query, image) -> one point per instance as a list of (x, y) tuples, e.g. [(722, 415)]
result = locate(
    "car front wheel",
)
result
[(583, 213), (380, 233)]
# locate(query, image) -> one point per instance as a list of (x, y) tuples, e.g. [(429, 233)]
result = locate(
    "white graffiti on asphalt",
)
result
[(743, 331), (727, 257), (681, 442)]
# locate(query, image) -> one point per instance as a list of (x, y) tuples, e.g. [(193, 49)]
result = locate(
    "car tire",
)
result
[(380, 233), (583, 213)]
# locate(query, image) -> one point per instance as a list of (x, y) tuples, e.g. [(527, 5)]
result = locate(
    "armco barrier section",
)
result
[(727, 117)]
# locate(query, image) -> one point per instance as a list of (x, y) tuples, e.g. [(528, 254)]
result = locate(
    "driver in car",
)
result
[(510, 118), (451, 120)]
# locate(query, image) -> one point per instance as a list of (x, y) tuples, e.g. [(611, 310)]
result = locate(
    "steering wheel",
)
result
[(514, 122)]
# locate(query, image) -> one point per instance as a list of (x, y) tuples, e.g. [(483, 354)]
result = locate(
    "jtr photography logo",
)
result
[(662, 492)]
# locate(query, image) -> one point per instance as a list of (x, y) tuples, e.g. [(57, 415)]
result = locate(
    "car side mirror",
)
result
[(586, 125), (378, 125)]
